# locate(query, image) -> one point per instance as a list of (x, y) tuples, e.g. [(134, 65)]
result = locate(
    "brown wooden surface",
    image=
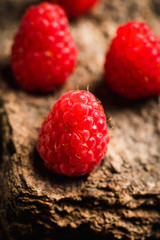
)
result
[(121, 198)]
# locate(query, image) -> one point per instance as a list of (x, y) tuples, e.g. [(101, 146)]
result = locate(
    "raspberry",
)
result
[(44, 53), (75, 8), (73, 139), (132, 67)]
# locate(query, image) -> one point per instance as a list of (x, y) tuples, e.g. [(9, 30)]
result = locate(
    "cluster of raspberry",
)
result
[(74, 137)]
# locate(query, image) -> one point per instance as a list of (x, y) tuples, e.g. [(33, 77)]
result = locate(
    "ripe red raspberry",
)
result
[(132, 67), (73, 139), (44, 53), (75, 8)]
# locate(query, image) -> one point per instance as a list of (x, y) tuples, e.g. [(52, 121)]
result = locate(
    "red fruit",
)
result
[(132, 67), (75, 8), (44, 53), (73, 139)]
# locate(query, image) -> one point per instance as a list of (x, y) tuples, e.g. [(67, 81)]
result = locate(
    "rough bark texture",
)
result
[(121, 198)]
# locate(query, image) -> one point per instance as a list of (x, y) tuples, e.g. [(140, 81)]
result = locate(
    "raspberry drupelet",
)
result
[(74, 137), (44, 53), (132, 67)]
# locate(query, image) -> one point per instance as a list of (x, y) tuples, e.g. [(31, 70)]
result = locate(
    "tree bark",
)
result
[(121, 198)]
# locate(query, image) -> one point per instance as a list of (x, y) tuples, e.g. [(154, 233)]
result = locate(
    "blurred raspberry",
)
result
[(75, 8), (132, 67), (44, 53)]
